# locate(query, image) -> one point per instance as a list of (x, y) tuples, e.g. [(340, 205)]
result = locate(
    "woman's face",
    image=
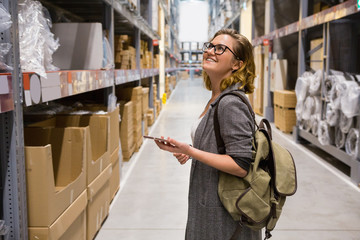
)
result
[(220, 65)]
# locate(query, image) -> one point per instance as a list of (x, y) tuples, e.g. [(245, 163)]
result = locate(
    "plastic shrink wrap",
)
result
[(5, 24), (352, 142), (37, 43)]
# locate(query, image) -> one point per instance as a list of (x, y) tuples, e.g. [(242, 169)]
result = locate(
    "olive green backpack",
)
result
[(256, 200)]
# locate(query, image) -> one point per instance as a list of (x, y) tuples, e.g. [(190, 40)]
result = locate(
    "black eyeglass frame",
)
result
[(214, 46)]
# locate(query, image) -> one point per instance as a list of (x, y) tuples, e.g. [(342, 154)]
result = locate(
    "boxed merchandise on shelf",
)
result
[(135, 95), (155, 91), (97, 137), (150, 116), (145, 125), (55, 162), (125, 54), (114, 143), (98, 193), (156, 61), (258, 94), (145, 100), (127, 129), (70, 225), (84, 39), (284, 110), (316, 58), (278, 74), (115, 158), (114, 122), (157, 107)]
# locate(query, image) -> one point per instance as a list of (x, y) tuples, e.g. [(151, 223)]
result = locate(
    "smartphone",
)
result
[(159, 139)]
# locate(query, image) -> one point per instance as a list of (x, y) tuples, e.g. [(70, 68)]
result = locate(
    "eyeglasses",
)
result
[(218, 49)]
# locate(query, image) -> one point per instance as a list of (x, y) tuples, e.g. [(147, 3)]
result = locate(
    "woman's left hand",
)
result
[(174, 146)]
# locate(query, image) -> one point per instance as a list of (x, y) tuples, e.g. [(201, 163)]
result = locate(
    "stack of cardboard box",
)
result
[(125, 54), (135, 96), (284, 110), (257, 99), (127, 129), (145, 55), (53, 139), (56, 182), (145, 108), (156, 61), (156, 101)]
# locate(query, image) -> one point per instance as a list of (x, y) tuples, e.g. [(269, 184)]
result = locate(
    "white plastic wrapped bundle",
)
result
[(302, 86), (5, 19), (309, 107), (352, 142), (345, 123), (299, 109), (324, 133), (340, 138), (315, 83), (328, 84), (312, 105), (332, 115), (5, 23), (337, 91), (37, 43), (305, 125), (314, 123), (350, 101)]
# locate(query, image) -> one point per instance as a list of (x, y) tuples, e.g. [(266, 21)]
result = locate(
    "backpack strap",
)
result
[(219, 140)]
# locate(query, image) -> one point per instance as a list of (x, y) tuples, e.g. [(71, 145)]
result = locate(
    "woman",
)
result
[(228, 65)]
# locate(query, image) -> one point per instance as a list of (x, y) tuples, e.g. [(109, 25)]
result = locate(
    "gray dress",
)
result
[(207, 218)]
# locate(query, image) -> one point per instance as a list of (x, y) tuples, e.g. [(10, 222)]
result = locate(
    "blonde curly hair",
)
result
[(246, 74)]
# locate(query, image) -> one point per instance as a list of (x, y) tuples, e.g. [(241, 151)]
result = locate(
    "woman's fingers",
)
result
[(182, 158)]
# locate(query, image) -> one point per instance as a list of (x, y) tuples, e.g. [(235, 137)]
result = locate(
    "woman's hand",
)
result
[(182, 158), (174, 146)]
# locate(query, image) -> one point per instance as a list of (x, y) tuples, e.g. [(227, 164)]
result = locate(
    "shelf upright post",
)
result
[(151, 49), (13, 177), (269, 27), (303, 9), (109, 26)]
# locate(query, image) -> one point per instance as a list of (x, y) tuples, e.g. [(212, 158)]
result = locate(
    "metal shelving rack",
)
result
[(117, 17), (191, 65), (302, 29), (12, 158)]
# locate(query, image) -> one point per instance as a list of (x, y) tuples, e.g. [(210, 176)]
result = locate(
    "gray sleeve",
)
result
[(236, 126)]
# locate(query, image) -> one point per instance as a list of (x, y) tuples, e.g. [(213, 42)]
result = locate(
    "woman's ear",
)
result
[(237, 65)]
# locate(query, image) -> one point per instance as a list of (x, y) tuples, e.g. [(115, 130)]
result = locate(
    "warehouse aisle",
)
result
[(152, 201)]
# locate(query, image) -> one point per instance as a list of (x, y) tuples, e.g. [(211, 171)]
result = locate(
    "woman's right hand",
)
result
[(181, 157)]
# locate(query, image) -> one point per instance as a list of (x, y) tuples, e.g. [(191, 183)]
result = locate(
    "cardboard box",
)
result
[(71, 224), (258, 81), (81, 46), (130, 94), (55, 160), (127, 125), (316, 58), (145, 100), (115, 174), (266, 88), (114, 123), (278, 74), (98, 202), (284, 118), (150, 116), (97, 138), (285, 98)]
